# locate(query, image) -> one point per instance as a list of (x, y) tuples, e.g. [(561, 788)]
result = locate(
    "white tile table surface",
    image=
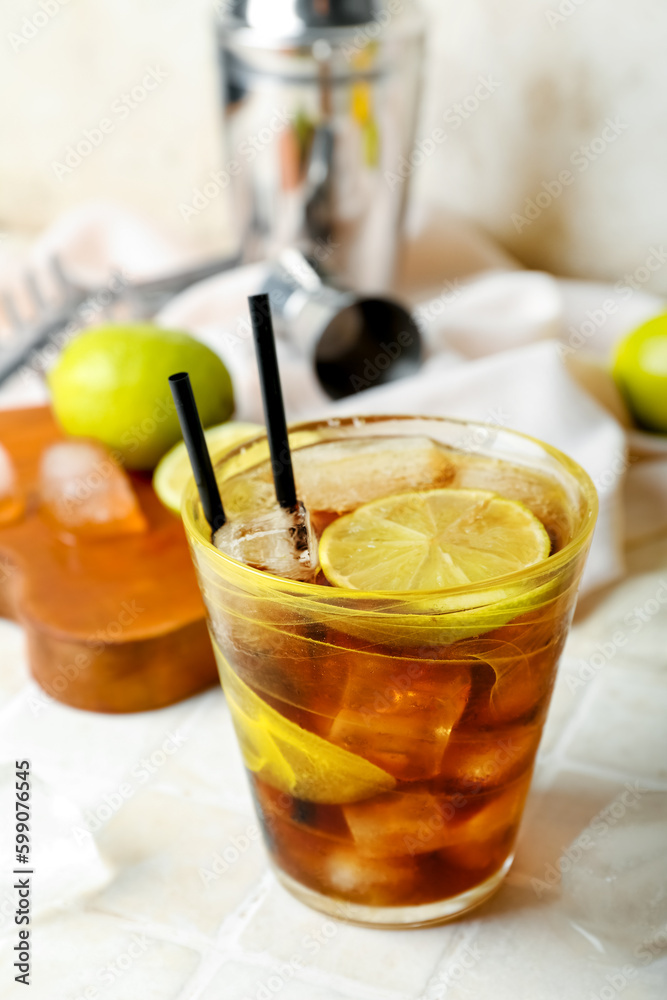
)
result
[(131, 904)]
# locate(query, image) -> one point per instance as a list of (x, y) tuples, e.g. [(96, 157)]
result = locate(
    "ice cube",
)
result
[(286, 659), (319, 853), (524, 675), (616, 889), (543, 494), (278, 541), (523, 686), (307, 817), (341, 475), (369, 881), (414, 823), (11, 504), (487, 828), (399, 823), (478, 761), (86, 492), (399, 712), (248, 494)]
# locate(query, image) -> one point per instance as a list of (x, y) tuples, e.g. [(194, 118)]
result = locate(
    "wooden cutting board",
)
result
[(115, 625)]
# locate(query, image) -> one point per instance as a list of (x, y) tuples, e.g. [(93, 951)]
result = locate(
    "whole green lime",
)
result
[(111, 383), (640, 371)]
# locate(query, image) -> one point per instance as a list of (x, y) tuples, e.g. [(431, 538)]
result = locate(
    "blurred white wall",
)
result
[(556, 72), (564, 68), (75, 72)]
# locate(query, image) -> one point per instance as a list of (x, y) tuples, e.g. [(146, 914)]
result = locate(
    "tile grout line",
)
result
[(465, 936), (314, 976), (193, 940), (233, 925), (218, 954)]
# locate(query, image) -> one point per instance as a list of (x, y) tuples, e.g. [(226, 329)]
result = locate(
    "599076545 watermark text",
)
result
[(23, 873)]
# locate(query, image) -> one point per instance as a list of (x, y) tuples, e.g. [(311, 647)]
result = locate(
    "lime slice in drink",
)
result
[(433, 540), (292, 759), (174, 470)]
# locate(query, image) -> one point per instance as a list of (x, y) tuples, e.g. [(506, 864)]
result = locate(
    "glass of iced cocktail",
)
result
[(389, 710)]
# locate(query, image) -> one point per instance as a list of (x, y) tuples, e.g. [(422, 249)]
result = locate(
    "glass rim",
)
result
[(302, 589)]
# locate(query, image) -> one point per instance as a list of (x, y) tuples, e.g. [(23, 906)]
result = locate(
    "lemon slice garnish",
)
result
[(174, 470), (292, 759), (432, 540)]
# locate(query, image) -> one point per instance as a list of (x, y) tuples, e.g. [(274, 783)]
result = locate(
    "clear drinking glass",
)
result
[(390, 738)]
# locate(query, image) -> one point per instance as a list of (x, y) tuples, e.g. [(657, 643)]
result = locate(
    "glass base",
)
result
[(396, 917)]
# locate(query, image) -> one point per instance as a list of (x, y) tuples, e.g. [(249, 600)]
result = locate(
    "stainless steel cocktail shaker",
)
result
[(320, 101)]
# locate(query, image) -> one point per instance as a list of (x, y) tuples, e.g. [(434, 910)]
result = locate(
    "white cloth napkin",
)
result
[(504, 346)]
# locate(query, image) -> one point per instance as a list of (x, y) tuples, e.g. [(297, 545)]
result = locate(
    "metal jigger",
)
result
[(355, 341)]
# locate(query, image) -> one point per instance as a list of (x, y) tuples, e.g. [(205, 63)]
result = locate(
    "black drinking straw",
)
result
[(195, 442), (274, 410)]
